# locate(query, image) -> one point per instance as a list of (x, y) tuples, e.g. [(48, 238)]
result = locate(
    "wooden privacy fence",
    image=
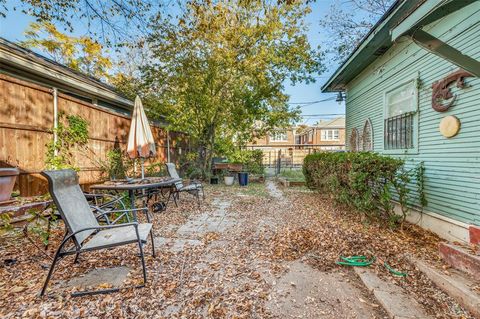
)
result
[(26, 123)]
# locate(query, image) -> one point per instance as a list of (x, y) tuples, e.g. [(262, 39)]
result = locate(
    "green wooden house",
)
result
[(412, 90)]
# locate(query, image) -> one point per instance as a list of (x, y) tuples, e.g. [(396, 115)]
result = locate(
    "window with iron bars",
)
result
[(399, 131)]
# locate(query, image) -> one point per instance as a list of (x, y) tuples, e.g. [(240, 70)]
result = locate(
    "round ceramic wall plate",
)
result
[(449, 126)]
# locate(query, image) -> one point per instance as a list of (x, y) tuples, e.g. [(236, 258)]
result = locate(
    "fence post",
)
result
[(279, 162)]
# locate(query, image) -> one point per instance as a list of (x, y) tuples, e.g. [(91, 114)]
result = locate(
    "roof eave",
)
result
[(61, 75), (374, 44)]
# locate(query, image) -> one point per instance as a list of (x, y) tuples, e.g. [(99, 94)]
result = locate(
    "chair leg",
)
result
[(197, 194), (142, 257), (50, 271), (175, 199), (153, 243), (76, 258)]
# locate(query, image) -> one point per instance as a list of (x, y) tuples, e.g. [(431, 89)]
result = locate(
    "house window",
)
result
[(330, 135), (367, 136), (278, 136), (400, 117)]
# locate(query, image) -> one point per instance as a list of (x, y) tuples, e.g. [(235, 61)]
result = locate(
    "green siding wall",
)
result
[(452, 165)]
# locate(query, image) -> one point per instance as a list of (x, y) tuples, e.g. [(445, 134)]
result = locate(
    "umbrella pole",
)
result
[(143, 171)]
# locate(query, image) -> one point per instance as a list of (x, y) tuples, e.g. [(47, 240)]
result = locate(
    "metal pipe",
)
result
[(168, 146), (55, 120)]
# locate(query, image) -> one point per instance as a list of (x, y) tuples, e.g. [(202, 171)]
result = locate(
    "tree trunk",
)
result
[(206, 149)]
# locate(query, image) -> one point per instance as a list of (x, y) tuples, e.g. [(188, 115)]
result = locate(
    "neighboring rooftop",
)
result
[(338, 122)]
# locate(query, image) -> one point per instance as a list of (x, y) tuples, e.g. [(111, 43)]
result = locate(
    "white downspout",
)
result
[(168, 146), (55, 120)]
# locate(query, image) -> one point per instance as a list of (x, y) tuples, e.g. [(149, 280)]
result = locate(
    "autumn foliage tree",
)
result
[(79, 53), (220, 68), (115, 22)]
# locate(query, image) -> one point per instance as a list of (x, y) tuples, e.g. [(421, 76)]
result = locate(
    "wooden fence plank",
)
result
[(26, 123)]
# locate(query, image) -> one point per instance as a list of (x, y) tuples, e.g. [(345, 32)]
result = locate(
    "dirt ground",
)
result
[(252, 252)]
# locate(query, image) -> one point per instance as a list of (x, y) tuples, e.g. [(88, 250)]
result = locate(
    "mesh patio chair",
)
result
[(194, 188), (103, 203), (83, 232)]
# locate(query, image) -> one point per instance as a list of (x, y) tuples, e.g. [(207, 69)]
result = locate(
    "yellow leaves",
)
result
[(79, 53)]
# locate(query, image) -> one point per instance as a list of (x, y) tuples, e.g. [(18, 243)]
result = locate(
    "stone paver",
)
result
[(394, 300), (112, 277), (304, 292), (176, 244), (218, 221), (273, 189)]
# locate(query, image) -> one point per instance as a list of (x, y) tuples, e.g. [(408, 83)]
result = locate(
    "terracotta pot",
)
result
[(7, 181)]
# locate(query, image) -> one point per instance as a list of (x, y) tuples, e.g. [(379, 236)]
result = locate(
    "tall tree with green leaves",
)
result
[(220, 68), (347, 22)]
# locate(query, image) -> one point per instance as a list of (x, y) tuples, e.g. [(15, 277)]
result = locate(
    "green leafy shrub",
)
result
[(252, 160), (117, 165), (156, 170), (366, 181)]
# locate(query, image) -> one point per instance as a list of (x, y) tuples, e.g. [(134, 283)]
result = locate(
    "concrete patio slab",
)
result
[(217, 221), (111, 277), (176, 244), (304, 292)]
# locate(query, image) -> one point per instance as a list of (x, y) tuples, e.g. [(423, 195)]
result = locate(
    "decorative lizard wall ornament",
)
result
[(441, 90)]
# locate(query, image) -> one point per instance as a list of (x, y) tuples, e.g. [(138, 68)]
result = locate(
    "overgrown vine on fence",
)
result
[(72, 134)]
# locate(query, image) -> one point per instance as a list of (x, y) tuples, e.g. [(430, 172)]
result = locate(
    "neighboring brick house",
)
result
[(327, 134), (279, 137), (290, 146)]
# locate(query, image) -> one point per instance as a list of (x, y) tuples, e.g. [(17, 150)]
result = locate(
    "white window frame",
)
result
[(329, 134), (414, 150), (274, 136)]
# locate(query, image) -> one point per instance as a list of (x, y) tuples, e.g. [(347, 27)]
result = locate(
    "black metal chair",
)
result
[(103, 203), (194, 188), (83, 232)]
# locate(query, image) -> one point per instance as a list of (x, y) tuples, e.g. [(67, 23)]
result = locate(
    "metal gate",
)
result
[(277, 158)]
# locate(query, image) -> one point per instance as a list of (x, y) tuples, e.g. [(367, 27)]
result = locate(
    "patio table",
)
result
[(137, 185)]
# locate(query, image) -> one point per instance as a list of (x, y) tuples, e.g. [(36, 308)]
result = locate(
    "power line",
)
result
[(312, 102), (320, 115)]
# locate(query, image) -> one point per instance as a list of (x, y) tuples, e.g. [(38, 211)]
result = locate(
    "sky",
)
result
[(13, 26)]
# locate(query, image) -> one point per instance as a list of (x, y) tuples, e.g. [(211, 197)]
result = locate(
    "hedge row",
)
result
[(365, 181)]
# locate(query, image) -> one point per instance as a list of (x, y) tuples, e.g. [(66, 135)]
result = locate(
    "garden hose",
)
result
[(362, 261), (393, 271), (358, 261)]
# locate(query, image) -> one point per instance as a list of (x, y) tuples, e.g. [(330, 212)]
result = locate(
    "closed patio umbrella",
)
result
[(140, 138)]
